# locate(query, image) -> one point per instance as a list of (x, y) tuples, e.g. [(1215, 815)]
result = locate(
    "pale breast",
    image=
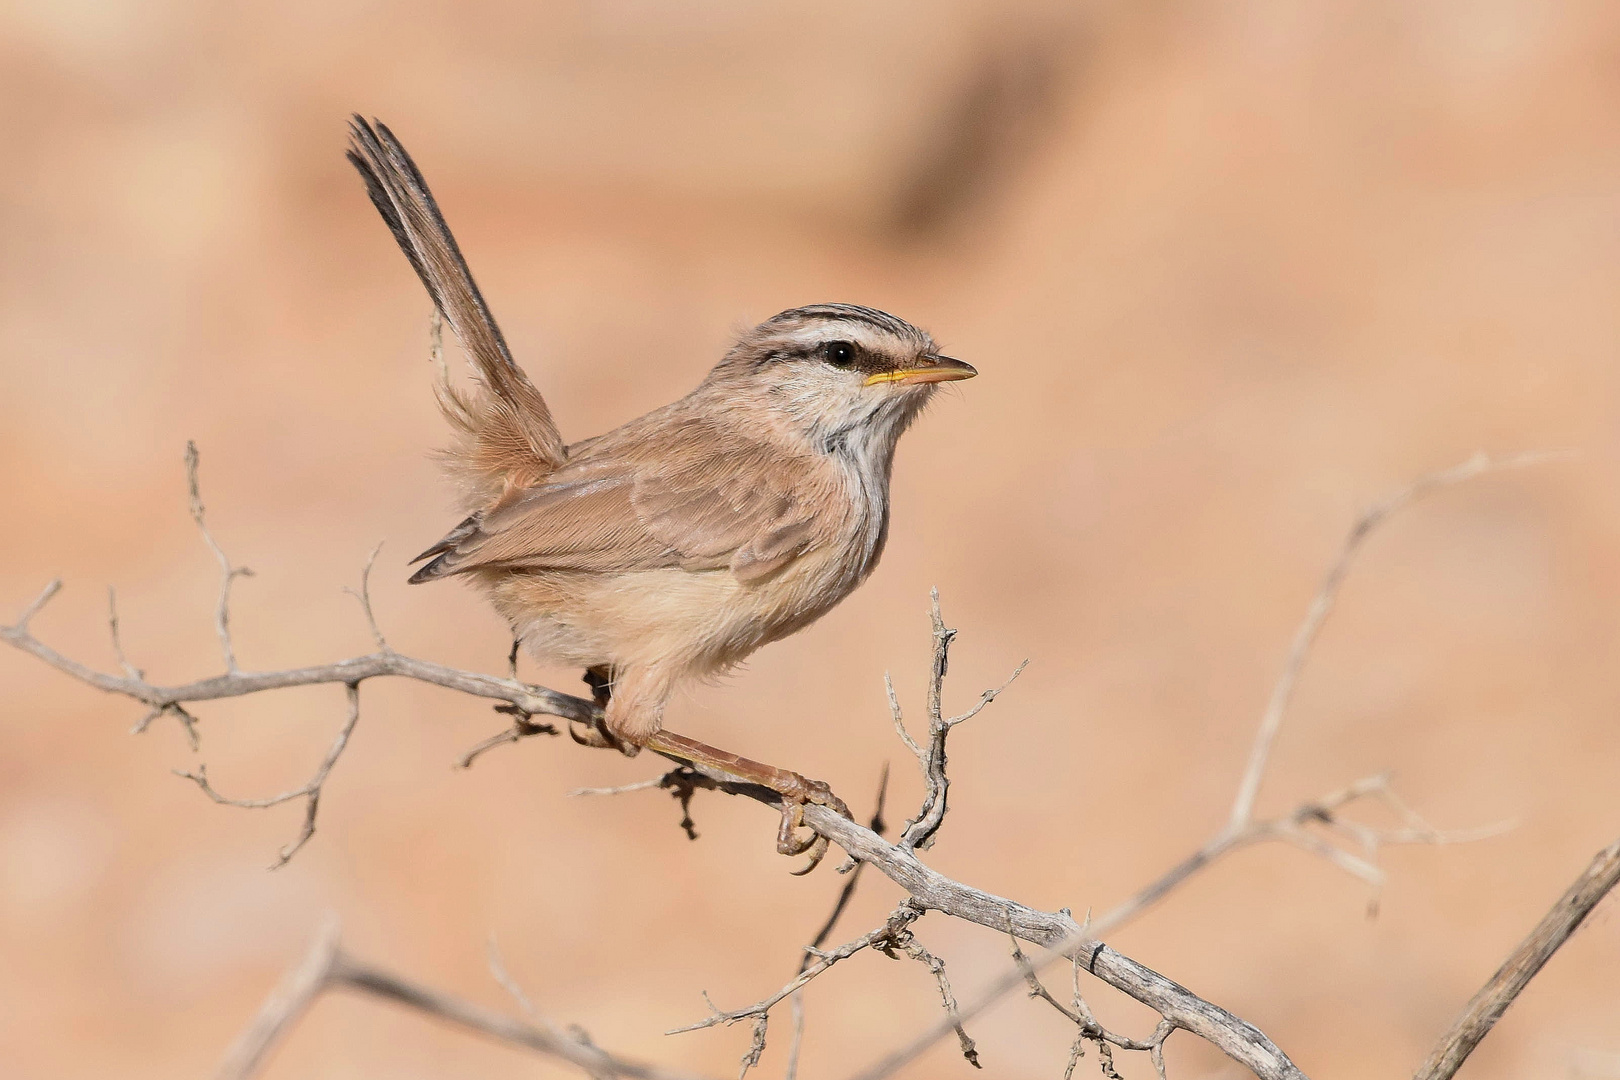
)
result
[(706, 621)]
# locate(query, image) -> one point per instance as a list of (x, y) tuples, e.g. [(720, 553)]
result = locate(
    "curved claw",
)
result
[(788, 842), (593, 735), (818, 851)]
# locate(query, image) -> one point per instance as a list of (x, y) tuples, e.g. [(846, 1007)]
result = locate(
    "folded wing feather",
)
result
[(709, 502)]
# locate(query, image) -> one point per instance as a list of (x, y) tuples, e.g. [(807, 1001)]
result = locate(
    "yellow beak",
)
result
[(932, 369)]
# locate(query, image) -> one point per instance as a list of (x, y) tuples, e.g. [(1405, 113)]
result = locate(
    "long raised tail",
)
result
[(507, 439)]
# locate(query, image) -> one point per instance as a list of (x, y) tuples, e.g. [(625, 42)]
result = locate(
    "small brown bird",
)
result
[(672, 547)]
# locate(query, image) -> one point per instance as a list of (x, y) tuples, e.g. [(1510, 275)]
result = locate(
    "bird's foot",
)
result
[(788, 841), (794, 789), (595, 733)]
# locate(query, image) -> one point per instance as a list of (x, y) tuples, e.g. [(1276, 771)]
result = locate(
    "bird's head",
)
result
[(839, 371)]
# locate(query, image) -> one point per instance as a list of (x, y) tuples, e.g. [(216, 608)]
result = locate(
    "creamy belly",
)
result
[(697, 622)]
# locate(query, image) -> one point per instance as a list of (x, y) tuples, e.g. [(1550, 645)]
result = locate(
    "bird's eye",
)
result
[(840, 353)]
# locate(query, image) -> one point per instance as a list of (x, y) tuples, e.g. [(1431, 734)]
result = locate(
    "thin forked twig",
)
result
[(902, 916), (522, 728), (128, 668), (227, 572), (1079, 1014), (363, 594), (919, 832), (310, 791), (1322, 606), (908, 944)]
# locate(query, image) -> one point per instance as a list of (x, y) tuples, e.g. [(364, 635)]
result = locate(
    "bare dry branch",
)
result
[(901, 917), (227, 572), (1322, 606), (497, 970), (310, 791), (1057, 933), (522, 728), (1294, 827), (129, 669), (907, 943), (536, 700), (681, 782), (294, 995), (327, 967), (34, 608), (1085, 1023), (1493, 999), (900, 722), (928, 888), (919, 832), (364, 596)]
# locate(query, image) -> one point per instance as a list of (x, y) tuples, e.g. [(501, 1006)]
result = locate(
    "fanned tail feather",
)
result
[(506, 438)]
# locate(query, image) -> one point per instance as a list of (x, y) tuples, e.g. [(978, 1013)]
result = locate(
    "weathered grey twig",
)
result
[(291, 998), (1295, 827), (363, 594), (906, 942), (227, 572), (1056, 931), (681, 782), (522, 728), (796, 1003), (1086, 1025), (328, 967), (310, 791), (497, 970), (1322, 605), (1493, 999), (919, 832), (128, 668), (902, 917), (536, 700)]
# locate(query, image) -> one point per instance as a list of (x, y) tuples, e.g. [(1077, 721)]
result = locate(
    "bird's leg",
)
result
[(600, 680), (794, 788)]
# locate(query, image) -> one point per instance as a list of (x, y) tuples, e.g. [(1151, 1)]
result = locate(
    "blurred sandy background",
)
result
[(1231, 271)]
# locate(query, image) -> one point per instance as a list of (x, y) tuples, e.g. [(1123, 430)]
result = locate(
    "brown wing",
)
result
[(708, 502), (508, 435)]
